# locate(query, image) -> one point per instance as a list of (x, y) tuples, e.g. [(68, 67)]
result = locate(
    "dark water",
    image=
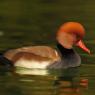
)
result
[(82, 83)]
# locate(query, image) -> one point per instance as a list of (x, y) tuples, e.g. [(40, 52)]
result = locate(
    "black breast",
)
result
[(69, 58)]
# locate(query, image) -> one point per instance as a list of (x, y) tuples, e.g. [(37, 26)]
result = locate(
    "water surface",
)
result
[(15, 84)]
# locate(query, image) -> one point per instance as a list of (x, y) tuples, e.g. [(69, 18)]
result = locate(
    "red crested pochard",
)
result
[(45, 57)]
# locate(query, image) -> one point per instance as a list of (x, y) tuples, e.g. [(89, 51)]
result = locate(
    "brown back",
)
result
[(37, 51)]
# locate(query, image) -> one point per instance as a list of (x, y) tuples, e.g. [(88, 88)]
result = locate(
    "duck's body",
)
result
[(33, 60), (43, 58), (33, 54)]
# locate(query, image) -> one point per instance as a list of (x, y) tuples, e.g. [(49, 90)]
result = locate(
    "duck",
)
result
[(43, 58)]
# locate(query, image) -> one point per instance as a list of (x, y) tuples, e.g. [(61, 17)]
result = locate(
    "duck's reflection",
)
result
[(66, 88), (68, 83), (71, 83)]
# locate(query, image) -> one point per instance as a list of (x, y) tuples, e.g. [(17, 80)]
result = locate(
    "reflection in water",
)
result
[(69, 88), (13, 84), (70, 84)]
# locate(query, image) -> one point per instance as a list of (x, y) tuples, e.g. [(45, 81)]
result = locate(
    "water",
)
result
[(15, 84)]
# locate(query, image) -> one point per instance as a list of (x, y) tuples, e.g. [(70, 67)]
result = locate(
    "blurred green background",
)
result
[(35, 22)]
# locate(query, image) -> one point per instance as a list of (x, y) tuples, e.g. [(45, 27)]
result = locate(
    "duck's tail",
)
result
[(4, 60)]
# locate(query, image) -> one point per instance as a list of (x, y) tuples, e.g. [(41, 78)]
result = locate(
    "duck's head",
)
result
[(71, 33)]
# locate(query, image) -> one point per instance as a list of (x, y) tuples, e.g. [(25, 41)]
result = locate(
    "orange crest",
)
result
[(72, 27)]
